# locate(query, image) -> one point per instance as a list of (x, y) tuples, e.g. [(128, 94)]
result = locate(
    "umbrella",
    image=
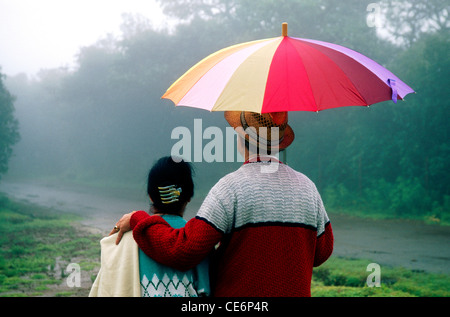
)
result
[(285, 74)]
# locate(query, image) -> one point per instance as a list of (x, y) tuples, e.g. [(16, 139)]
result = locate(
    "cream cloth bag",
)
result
[(119, 271)]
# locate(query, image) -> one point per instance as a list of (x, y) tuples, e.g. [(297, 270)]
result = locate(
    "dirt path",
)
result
[(410, 244)]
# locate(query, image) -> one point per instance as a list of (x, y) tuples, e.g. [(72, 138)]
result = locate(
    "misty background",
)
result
[(102, 124)]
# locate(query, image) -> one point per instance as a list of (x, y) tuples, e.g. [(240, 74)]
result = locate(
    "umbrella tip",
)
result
[(284, 29)]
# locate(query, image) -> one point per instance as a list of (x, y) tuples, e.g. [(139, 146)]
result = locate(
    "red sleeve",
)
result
[(324, 245), (181, 249)]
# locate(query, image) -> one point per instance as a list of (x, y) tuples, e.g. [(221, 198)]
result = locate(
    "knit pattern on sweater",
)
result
[(167, 287), (249, 196)]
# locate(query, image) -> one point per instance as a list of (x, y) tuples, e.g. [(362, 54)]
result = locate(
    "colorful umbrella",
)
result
[(285, 74)]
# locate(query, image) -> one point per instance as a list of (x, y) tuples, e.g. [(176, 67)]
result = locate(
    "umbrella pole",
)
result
[(284, 29)]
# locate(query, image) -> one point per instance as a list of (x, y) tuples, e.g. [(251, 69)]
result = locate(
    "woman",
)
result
[(170, 188)]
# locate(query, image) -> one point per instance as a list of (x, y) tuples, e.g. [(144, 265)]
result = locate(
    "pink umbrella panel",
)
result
[(285, 74)]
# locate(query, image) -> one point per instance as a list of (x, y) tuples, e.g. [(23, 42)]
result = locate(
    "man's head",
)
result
[(265, 133)]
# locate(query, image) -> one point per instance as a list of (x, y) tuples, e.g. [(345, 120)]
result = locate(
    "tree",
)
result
[(9, 134), (407, 20), (108, 122), (187, 10), (427, 146)]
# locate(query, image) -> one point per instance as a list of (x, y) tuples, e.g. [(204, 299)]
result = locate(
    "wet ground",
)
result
[(410, 244)]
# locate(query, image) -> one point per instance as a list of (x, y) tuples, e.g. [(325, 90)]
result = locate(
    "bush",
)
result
[(31, 241), (342, 277), (404, 198)]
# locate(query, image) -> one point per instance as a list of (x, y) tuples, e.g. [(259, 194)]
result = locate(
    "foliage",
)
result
[(33, 241), (9, 134), (396, 156), (408, 20), (342, 277), (108, 123)]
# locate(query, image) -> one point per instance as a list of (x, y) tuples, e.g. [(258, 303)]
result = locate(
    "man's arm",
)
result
[(181, 249), (325, 238), (324, 245)]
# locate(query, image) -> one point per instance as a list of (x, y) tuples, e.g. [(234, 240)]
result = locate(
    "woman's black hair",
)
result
[(175, 172)]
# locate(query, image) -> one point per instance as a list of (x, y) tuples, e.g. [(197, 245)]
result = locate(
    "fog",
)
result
[(102, 123), (49, 33)]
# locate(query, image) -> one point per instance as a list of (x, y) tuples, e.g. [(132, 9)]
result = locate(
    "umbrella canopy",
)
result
[(285, 74)]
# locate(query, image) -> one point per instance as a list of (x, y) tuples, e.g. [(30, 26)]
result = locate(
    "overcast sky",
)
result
[(37, 34)]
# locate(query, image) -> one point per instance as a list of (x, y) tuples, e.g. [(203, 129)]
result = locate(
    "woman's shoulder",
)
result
[(174, 221)]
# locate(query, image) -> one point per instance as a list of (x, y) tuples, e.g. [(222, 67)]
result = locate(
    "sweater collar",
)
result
[(265, 158)]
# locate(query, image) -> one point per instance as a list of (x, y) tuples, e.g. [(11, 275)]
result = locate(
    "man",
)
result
[(270, 222)]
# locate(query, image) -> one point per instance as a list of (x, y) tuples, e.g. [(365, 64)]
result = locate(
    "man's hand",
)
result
[(122, 226)]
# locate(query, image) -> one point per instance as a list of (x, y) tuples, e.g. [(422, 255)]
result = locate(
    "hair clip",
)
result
[(169, 194)]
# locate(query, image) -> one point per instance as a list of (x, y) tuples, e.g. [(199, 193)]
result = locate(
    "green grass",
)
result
[(340, 277), (32, 239)]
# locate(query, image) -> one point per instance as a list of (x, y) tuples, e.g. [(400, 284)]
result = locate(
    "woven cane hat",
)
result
[(249, 124)]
